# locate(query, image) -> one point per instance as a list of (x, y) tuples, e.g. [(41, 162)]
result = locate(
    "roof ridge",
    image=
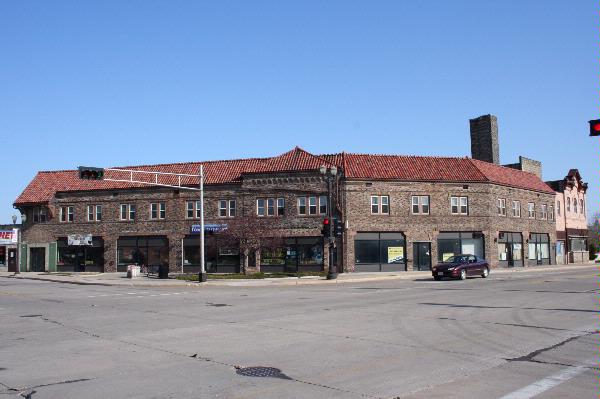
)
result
[(402, 155)]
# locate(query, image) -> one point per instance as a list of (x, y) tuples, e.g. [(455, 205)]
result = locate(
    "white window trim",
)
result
[(127, 212), (516, 206), (229, 208), (264, 207), (372, 204), (379, 204), (501, 206), (298, 206), (459, 205), (531, 210)]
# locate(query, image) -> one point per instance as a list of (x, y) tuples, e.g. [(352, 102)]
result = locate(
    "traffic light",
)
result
[(338, 227), (89, 173), (326, 230), (594, 127)]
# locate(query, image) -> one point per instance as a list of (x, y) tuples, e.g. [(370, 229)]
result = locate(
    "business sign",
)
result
[(208, 228), (9, 236), (79, 239), (395, 254)]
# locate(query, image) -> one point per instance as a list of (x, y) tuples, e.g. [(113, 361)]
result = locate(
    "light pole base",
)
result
[(202, 277), (331, 276)]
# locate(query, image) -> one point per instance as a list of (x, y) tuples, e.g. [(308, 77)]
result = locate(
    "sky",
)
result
[(111, 83)]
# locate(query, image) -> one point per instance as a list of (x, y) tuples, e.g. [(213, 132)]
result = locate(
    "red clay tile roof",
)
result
[(355, 166)]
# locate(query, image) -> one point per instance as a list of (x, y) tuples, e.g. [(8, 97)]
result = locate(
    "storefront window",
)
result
[(539, 248), (380, 251), (457, 243), (220, 255), (295, 255), (577, 244), (510, 247), (142, 250), (80, 258)]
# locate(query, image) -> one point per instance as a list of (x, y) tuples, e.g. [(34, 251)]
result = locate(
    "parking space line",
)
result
[(546, 383)]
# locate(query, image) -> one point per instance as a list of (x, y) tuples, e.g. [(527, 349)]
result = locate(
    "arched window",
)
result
[(575, 205), (568, 204), (581, 205)]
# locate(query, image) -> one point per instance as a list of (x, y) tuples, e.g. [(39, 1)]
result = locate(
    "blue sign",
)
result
[(210, 228)]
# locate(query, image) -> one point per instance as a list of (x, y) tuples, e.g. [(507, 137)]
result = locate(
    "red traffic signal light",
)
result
[(594, 127), (326, 229)]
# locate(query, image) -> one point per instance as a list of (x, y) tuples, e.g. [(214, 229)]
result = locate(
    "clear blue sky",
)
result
[(123, 82)]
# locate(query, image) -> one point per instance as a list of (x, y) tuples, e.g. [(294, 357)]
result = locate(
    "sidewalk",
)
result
[(120, 279)]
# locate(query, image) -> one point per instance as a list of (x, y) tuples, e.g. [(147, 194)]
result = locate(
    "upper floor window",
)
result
[(380, 204), (531, 210), (314, 204), (40, 214), (551, 212), (501, 205), (227, 208), (544, 212), (66, 213), (270, 206), (575, 205), (94, 213), (459, 205), (158, 210), (127, 211), (558, 208), (516, 209), (193, 209), (301, 205), (568, 204), (420, 204), (581, 206)]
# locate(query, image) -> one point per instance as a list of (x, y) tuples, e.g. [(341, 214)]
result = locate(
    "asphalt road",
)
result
[(513, 335)]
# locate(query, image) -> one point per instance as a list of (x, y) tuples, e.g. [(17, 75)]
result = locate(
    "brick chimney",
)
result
[(484, 139)]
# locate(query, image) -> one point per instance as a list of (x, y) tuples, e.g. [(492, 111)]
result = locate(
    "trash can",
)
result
[(133, 271), (163, 271)]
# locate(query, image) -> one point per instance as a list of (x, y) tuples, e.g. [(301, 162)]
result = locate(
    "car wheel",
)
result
[(485, 272), (438, 278), (463, 274)]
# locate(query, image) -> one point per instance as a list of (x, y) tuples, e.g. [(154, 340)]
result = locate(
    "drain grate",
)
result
[(259, 371)]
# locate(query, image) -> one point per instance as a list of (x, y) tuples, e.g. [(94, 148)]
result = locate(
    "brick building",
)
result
[(400, 213)]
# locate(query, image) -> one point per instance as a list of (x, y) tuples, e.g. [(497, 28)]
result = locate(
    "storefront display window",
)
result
[(80, 258), (380, 251), (220, 255), (143, 251), (510, 247), (577, 244), (539, 249), (295, 255), (457, 243)]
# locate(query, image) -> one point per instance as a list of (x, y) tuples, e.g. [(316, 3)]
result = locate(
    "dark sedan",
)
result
[(461, 266)]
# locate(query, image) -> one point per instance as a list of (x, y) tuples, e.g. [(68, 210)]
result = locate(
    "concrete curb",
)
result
[(284, 281)]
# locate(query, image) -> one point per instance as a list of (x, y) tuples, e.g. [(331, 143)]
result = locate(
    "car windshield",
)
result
[(457, 259)]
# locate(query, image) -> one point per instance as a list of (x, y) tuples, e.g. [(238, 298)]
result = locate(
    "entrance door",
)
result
[(509, 255), (38, 259), (12, 260), (422, 256)]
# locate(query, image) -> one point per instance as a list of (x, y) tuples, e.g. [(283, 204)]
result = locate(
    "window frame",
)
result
[(557, 208), (501, 206), (544, 211), (158, 210), (374, 204), (280, 204), (232, 208), (551, 212), (419, 204), (531, 210), (299, 206), (312, 204), (129, 209), (581, 206), (378, 202), (574, 205), (516, 209), (459, 205), (259, 207), (222, 208), (323, 204)]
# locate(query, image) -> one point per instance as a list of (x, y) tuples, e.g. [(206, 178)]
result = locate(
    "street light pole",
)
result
[(202, 274), (18, 263), (329, 175)]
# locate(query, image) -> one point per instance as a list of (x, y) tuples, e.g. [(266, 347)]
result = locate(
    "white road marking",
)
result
[(137, 294), (546, 383)]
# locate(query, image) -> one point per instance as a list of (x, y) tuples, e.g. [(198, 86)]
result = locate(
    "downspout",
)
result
[(566, 236)]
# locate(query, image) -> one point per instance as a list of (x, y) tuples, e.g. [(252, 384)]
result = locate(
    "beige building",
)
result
[(571, 221)]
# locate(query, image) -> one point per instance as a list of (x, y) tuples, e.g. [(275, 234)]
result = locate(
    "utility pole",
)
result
[(202, 274)]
